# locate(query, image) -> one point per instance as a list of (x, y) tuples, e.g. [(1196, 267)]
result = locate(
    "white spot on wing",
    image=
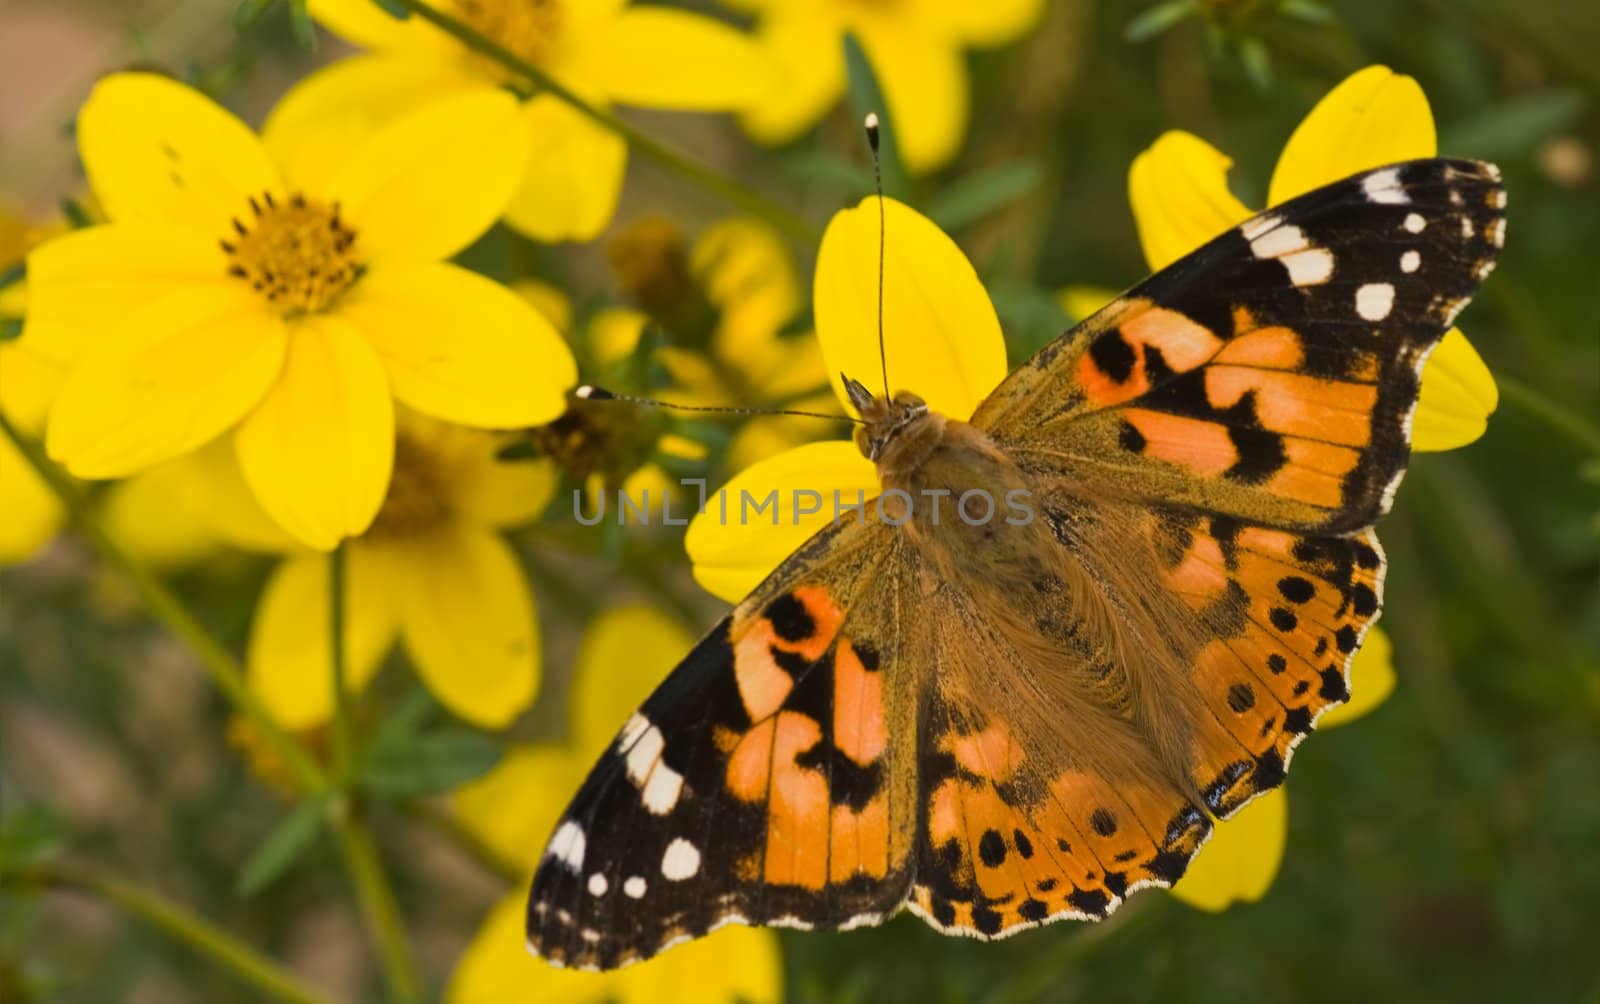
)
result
[(644, 753), (634, 887), (1310, 267), (631, 732), (1374, 301), (681, 861), (1466, 228), (1251, 229), (660, 792), (598, 884), (1415, 223), (1384, 186), (567, 845), (1497, 233), (1280, 241), (1411, 261)]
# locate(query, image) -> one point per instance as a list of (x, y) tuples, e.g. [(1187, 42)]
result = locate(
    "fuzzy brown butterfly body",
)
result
[(1027, 709)]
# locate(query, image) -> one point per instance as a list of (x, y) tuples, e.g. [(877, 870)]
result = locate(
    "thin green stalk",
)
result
[(379, 910), (1530, 400), (342, 736), (249, 965), (165, 607), (706, 177)]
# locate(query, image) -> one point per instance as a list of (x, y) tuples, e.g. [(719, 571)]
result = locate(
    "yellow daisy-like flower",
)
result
[(605, 51), (242, 286), (941, 336), (28, 383), (432, 570), (1180, 196), (916, 48), (626, 651)]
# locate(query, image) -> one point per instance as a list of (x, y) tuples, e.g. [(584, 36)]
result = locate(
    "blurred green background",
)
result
[(1442, 848)]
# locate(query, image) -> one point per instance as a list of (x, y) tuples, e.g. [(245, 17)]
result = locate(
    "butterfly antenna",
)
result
[(877, 183), (589, 392)]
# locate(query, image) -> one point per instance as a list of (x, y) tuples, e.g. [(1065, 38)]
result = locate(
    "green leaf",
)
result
[(76, 215), (249, 12), (1306, 11), (394, 9), (1512, 127), (866, 97), (1257, 63), (305, 30), (825, 170), (283, 845), (981, 193), (10, 329), (428, 764), (1157, 19), (28, 835)]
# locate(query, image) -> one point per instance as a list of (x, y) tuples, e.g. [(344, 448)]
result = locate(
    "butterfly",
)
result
[(996, 724)]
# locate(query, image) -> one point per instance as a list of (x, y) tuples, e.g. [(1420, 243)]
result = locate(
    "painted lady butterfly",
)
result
[(1002, 725)]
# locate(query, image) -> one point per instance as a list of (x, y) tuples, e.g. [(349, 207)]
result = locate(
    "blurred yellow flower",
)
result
[(916, 48), (625, 652), (28, 383), (239, 286), (942, 337), (605, 52), (432, 570), (1179, 190)]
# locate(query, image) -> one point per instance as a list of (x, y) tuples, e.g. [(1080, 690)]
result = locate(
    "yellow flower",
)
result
[(942, 337), (626, 651), (1180, 196), (432, 570), (605, 51), (28, 383), (916, 48), (242, 287)]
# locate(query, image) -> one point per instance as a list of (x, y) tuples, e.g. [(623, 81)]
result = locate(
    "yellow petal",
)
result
[(291, 645), (941, 335), (159, 516), (315, 126), (547, 299), (181, 372), (574, 175), (29, 383), (734, 965), (32, 514), (1374, 117), (748, 275), (430, 183), (924, 80), (614, 333), (363, 23), (734, 546), (1458, 396), (159, 151), (656, 57), (626, 652), (1372, 680), (994, 22), (468, 622), (318, 451), (1179, 190), (806, 48), (1080, 302), (84, 285), (1242, 857), (513, 809), (462, 347), (496, 966), (481, 488)]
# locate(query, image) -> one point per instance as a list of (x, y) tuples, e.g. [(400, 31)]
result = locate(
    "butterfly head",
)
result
[(884, 420)]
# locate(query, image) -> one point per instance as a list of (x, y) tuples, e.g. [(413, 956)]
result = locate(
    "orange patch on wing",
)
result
[(1236, 698), (1183, 342), (858, 726), (1201, 446), (825, 616), (1266, 348), (763, 684), (1297, 405), (1315, 472), (1201, 576), (797, 809), (990, 753), (859, 841)]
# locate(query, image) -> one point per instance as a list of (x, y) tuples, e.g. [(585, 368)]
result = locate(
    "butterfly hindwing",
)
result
[(757, 784), (1271, 375)]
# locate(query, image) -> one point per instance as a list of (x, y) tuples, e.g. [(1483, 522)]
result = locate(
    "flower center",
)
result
[(418, 499), (528, 28), (298, 254)]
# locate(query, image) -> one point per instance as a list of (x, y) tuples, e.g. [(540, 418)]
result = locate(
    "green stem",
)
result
[(379, 910), (245, 962), (1559, 416), (165, 607), (706, 177), (342, 736)]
